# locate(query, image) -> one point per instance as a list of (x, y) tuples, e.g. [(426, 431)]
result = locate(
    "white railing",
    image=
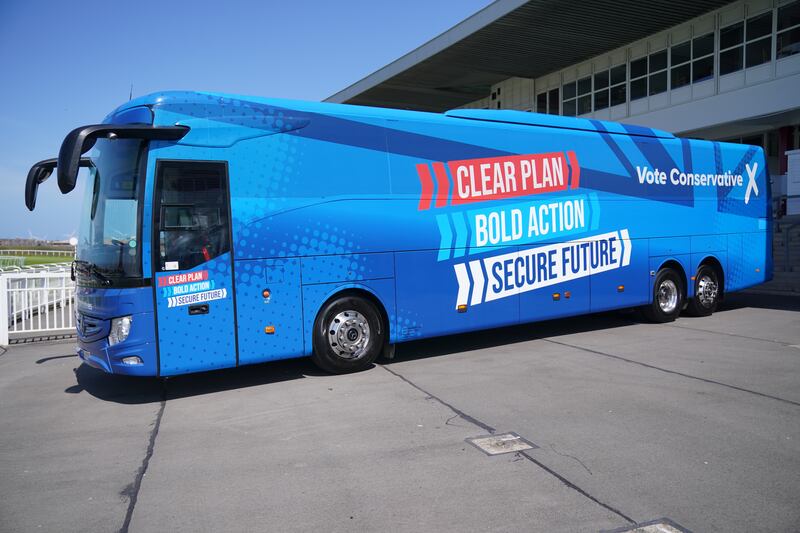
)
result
[(50, 253), (45, 267), (36, 303)]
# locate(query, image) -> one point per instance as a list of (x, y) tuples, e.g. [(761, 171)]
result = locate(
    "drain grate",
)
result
[(501, 443), (662, 525)]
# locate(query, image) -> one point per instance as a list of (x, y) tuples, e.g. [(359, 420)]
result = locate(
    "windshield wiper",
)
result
[(92, 269)]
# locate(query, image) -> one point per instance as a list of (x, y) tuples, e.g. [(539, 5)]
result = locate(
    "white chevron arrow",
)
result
[(463, 284)]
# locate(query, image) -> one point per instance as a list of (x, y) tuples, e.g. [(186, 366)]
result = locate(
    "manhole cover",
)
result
[(501, 443)]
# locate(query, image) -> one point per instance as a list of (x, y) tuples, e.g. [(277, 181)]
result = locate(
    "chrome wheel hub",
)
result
[(348, 334), (667, 296), (707, 291)]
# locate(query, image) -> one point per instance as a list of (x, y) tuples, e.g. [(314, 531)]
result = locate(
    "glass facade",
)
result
[(730, 48), (706, 51)]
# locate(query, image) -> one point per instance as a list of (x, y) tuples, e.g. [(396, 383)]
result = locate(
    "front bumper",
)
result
[(109, 358)]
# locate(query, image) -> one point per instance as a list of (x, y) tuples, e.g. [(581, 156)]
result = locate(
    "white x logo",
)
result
[(751, 183)]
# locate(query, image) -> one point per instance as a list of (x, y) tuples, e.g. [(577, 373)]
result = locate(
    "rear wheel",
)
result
[(706, 292), (667, 297), (348, 335)]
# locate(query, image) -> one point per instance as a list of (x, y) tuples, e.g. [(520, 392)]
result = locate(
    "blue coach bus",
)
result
[(221, 230)]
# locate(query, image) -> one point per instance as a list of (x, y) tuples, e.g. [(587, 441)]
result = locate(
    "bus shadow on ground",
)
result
[(567, 326), (138, 390), (780, 302), (493, 338), (141, 390)]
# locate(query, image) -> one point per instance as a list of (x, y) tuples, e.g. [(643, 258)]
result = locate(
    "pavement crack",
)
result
[(132, 490), (571, 457), (449, 421), (430, 396), (674, 372), (701, 330), (576, 488), (491, 430)]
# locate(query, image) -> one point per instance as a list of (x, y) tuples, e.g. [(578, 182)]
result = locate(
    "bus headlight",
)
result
[(120, 328)]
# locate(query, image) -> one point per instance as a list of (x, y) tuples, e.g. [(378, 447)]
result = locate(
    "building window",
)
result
[(731, 48), (609, 87), (680, 57), (649, 75), (657, 68), (577, 97), (619, 76), (569, 91), (758, 37), (703, 58), (749, 43), (788, 41), (541, 102), (547, 102), (552, 101), (638, 78), (601, 90)]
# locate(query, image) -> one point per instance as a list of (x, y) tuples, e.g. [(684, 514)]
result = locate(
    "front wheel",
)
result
[(706, 292), (667, 297), (348, 335)]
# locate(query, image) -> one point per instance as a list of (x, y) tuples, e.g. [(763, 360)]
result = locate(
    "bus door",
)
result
[(193, 267)]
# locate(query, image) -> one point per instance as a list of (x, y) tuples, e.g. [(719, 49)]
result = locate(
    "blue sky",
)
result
[(66, 64)]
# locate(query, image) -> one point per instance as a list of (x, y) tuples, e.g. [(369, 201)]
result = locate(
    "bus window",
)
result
[(192, 213)]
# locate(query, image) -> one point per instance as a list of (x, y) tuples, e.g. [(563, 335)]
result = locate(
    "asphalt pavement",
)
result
[(696, 422)]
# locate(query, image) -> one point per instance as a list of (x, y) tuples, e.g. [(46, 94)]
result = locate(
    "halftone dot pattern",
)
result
[(734, 277), (731, 199), (409, 324), (283, 309), (311, 206), (190, 343)]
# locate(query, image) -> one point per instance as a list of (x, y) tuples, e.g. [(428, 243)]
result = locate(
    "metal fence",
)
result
[(33, 304)]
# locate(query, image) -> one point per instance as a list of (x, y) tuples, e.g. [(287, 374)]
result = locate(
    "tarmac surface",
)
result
[(697, 421)]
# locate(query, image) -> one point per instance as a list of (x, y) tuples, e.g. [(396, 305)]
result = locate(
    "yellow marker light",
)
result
[(462, 308), (556, 296), (694, 278), (269, 330), (266, 293), (567, 294), (620, 288)]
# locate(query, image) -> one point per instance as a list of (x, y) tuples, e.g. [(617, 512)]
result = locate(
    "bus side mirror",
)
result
[(39, 173), (80, 140)]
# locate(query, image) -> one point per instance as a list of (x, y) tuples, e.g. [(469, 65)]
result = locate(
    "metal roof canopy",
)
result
[(511, 38)]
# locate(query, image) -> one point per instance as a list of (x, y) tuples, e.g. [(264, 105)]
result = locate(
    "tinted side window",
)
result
[(191, 213)]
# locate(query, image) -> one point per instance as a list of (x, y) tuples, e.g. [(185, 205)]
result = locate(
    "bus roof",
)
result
[(523, 118)]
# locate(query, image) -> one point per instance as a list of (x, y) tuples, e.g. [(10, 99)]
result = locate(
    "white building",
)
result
[(709, 69)]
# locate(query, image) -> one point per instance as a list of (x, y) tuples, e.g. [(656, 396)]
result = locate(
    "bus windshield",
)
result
[(109, 248)]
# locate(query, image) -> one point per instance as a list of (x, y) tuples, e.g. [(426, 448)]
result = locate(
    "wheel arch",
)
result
[(359, 291), (678, 267), (716, 264)]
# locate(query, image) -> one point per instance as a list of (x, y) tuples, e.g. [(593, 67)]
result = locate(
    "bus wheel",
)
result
[(348, 335), (706, 292), (667, 297)]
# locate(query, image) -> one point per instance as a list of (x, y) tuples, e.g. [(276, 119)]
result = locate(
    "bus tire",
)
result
[(706, 292), (348, 335), (667, 300)]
